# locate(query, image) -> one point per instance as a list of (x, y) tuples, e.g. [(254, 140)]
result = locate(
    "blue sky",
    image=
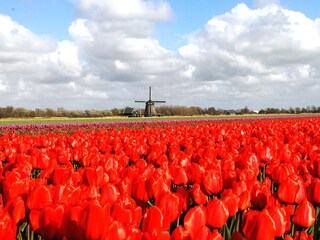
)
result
[(50, 17), (81, 54)]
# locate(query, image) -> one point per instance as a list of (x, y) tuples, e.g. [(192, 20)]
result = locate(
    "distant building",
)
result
[(130, 112)]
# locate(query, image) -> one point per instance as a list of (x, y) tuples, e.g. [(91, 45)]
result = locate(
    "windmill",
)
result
[(150, 109)]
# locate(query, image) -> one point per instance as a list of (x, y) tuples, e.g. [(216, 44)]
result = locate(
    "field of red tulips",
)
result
[(229, 179)]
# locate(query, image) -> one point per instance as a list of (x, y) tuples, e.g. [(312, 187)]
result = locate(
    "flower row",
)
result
[(257, 179)]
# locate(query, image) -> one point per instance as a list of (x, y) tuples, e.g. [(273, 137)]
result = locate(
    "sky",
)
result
[(104, 54)]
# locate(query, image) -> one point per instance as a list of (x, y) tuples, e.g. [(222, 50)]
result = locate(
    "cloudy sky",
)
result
[(101, 54)]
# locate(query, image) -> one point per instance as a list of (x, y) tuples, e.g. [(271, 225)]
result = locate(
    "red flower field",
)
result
[(227, 179)]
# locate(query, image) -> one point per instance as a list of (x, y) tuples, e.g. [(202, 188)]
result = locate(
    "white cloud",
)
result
[(258, 51)]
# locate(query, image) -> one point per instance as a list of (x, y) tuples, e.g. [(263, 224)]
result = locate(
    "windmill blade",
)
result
[(159, 101), (149, 93), (140, 101)]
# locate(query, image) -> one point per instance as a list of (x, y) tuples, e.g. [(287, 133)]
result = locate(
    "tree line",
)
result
[(19, 112)]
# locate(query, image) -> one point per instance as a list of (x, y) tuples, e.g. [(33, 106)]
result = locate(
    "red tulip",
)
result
[(60, 175), (16, 209), (168, 203), (313, 191), (115, 231), (237, 236), (279, 217), (244, 200), (152, 222), (260, 194), (304, 215), (139, 191), (92, 220), (93, 176), (258, 225), (15, 184), (197, 195), (194, 173), (194, 220), (50, 221), (109, 193), (211, 182), (179, 233), (292, 190), (7, 226), (39, 196), (231, 201), (229, 177), (217, 213), (184, 198), (71, 223), (314, 166), (179, 175), (290, 209), (203, 233), (281, 172), (302, 235), (157, 183), (34, 217), (215, 235), (126, 213)]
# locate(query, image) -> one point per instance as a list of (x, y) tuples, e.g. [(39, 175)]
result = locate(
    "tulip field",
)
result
[(241, 178)]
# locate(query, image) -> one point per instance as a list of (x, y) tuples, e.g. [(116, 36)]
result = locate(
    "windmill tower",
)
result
[(150, 109)]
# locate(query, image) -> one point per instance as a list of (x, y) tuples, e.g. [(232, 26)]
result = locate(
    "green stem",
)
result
[(292, 229), (238, 220), (227, 234)]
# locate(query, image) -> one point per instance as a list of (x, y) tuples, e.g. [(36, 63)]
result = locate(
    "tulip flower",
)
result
[(184, 198), (260, 194), (60, 175), (215, 235), (197, 195), (292, 190), (71, 223), (152, 222), (179, 233), (244, 200), (39, 196), (231, 201), (258, 225), (194, 173), (168, 203), (93, 176), (16, 209), (115, 231), (211, 182), (279, 217), (281, 172), (92, 220), (194, 220), (304, 215), (217, 213), (109, 193), (7, 226), (179, 175), (302, 235), (126, 212), (313, 191), (15, 184), (139, 190), (50, 221)]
